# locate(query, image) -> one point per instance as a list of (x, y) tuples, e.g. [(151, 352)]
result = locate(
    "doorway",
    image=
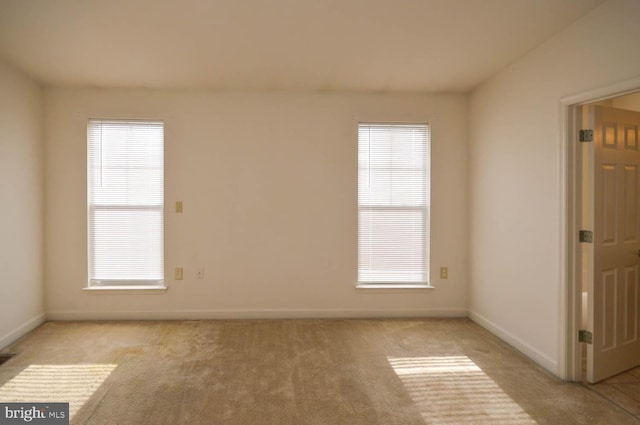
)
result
[(603, 298)]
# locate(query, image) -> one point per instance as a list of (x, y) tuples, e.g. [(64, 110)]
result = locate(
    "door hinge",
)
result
[(585, 236), (586, 135), (585, 336)]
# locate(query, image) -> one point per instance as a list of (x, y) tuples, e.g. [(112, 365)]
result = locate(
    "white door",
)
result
[(614, 318)]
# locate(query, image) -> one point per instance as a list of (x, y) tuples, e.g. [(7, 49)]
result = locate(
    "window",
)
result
[(125, 202), (393, 204)]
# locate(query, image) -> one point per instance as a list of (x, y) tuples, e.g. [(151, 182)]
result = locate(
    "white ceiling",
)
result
[(372, 45)]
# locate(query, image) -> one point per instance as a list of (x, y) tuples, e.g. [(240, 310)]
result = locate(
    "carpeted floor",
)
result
[(422, 371)]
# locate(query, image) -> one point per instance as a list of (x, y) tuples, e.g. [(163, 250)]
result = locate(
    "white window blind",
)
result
[(126, 202), (393, 203)]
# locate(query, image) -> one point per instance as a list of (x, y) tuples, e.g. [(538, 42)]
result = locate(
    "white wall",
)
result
[(269, 185), (21, 192), (515, 162)]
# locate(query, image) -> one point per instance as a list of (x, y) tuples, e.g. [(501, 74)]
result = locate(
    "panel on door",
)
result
[(613, 315)]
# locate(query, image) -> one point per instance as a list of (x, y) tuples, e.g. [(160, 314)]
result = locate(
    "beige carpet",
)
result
[(292, 372), (622, 389)]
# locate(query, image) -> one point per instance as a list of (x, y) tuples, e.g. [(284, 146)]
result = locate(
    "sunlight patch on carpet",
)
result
[(453, 389), (73, 384)]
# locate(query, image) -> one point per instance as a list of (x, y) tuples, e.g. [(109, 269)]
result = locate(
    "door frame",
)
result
[(569, 349)]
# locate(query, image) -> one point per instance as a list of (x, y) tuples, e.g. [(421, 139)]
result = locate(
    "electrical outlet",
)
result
[(444, 272), (178, 273), (200, 273)]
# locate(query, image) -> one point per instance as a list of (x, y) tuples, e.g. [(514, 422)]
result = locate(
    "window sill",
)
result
[(391, 287), (129, 290)]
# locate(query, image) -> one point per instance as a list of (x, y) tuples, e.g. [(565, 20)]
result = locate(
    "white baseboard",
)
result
[(255, 314), (21, 330), (542, 359)]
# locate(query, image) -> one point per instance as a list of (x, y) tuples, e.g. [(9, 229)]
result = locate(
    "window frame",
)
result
[(424, 209), (126, 285)]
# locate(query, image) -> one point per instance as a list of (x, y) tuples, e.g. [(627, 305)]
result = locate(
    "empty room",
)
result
[(320, 212)]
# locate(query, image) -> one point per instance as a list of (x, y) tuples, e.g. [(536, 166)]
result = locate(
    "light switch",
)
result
[(178, 206), (178, 273), (444, 272)]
